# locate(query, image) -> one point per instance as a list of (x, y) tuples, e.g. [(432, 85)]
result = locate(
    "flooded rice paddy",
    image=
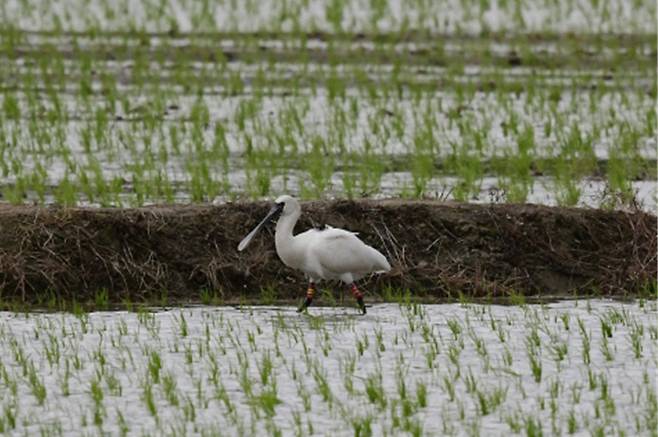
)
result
[(572, 367), (130, 103)]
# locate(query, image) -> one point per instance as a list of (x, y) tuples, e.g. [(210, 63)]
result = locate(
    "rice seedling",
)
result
[(636, 334)]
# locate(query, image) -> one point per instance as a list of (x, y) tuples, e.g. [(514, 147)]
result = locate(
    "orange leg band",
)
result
[(310, 291)]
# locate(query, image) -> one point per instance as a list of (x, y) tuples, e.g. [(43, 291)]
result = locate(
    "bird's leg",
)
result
[(358, 296), (310, 291)]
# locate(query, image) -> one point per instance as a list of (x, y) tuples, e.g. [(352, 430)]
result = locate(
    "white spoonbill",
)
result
[(329, 253)]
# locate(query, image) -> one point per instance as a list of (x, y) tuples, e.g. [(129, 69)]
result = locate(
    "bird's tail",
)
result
[(381, 263)]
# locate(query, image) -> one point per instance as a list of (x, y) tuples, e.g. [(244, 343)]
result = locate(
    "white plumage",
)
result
[(330, 253)]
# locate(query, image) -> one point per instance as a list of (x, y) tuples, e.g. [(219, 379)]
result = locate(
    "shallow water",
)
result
[(333, 370)]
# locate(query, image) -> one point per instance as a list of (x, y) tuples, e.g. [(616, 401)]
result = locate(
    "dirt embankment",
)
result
[(436, 249)]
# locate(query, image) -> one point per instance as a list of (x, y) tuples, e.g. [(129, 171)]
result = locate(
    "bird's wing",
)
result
[(330, 233), (341, 251)]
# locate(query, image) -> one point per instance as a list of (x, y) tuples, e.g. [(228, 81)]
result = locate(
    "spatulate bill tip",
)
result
[(245, 241)]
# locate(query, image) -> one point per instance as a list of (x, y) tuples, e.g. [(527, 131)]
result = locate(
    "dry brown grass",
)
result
[(436, 249)]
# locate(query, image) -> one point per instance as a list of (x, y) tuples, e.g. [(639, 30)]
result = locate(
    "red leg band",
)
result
[(355, 292)]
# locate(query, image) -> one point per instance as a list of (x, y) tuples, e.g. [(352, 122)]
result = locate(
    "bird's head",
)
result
[(287, 205), (283, 206)]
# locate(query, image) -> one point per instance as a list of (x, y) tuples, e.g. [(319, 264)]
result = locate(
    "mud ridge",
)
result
[(436, 249)]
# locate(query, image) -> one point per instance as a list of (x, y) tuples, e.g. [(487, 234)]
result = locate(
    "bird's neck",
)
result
[(283, 236)]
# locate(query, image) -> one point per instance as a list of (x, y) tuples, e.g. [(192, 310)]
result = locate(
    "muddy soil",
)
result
[(436, 250)]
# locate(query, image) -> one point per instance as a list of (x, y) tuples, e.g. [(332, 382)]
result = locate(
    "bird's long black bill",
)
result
[(275, 211)]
